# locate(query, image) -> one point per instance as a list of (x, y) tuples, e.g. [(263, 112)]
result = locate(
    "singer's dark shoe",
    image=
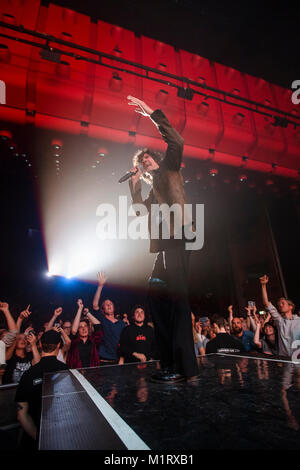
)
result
[(167, 377)]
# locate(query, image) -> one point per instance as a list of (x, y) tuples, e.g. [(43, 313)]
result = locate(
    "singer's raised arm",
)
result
[(173, 157)]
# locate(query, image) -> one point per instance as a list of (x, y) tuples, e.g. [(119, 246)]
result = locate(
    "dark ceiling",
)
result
[(251, 37)]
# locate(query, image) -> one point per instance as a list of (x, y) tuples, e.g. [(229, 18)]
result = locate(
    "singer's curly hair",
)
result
[(137, 159)]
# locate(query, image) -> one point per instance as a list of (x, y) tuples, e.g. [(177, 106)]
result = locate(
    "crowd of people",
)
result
[(100, 337)]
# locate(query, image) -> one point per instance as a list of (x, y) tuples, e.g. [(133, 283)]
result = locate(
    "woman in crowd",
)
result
[(18, 359), (268, 343)]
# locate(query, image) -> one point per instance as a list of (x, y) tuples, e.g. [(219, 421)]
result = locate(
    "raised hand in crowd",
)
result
[(58, 311), (101, 278), (66, 340), (4, 307), (24, 315), (8, 337), (56, 314), (264, 281), (230, 311), (32, 340), (252, 318), (76, 321)]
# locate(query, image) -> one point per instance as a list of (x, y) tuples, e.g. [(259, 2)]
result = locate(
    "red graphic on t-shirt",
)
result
[(141, 338)]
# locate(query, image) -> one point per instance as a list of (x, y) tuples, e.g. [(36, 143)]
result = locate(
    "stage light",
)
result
[(243, 178), (48, 274), (213, 171), (56, 144), (102, 152), (5, 135)]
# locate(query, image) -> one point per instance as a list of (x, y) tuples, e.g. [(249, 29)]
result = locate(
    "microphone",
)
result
[(128, 175)]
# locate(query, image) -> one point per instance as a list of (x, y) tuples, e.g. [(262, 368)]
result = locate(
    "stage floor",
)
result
[(238, 402)]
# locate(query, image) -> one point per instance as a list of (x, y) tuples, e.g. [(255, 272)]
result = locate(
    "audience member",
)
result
[(245, 336), (29, 391), (67, 326), (288, 324), (137, 339), (269, 342), (223, 342), (112, 327), (9, 334), (18, 359), (200, 340), (84, 347), (64, 346)]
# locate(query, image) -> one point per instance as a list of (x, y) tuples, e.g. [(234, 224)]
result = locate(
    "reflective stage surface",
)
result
[(237, 403)]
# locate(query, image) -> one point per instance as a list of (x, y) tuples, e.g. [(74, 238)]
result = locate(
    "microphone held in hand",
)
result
[(128, 175)]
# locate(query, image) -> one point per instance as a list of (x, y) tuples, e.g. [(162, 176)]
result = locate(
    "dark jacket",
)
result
[(167, 180)]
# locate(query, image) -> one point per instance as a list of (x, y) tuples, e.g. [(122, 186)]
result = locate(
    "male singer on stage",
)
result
[(168, 284)]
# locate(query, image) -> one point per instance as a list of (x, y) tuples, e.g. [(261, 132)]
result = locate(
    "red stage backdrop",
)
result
[(83, 97)]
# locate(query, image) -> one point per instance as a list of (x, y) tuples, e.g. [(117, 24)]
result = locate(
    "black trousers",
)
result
[(170, 309)]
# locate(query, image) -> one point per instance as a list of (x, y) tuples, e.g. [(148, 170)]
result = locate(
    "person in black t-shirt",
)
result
[(223, 342), (29, 391), (137, 340), (19, 359)]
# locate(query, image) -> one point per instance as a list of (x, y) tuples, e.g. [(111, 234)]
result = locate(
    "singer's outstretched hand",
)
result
[(141, 107)]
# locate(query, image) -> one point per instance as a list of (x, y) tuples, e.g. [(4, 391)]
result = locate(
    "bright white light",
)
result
[(48, 274), (70, 231)]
